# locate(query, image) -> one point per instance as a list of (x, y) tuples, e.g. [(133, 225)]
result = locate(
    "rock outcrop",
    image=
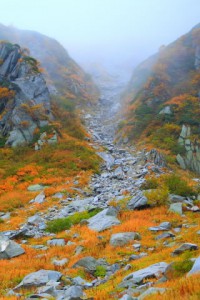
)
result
[(24, 95), (62, 73), (191, 158)]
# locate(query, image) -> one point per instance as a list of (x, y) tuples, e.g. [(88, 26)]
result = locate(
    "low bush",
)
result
[(100, 271), (61, 224), (157, 197), (178, 186)]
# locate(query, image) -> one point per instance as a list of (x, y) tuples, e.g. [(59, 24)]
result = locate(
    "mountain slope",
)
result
[(60, 69), (163, 100)]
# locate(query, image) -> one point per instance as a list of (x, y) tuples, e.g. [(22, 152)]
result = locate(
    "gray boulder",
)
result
[(108, 158), (36, 221), (56, 242), (153, 271), (121, 239), (39, 278), (73, 293), (9, 249), (138, 201), (35, 187), (162, 227), (89, 263), (166, 111), (39, 198), (176, 208), (155, 156), (196, 267), (104, 220), (165, 235), (60, 262), (184, 247), (176, 198)]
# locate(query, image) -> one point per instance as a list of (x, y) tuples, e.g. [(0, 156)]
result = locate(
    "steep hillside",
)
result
[(60, 69), (163, 101)]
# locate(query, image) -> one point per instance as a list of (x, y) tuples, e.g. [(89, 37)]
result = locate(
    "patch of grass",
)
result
[(150, 183), (157, 197), (61, 224), (100, 271), (178, 186)]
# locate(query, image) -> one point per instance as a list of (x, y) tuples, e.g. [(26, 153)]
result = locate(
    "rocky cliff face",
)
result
[(24, 96), (164, 95), (61, 71)]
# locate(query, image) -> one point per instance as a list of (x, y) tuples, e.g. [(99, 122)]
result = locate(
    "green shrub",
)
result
[(150, 183), (182, 267), (58, 225), (157, 197), (100, 271), (61, 224), (179, 186), (2, 142)]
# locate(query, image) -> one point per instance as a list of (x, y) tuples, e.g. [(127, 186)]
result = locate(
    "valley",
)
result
[(99, 174), (107, 238)]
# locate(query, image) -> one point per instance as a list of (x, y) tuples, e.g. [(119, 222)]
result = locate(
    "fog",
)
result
[(117, 33)]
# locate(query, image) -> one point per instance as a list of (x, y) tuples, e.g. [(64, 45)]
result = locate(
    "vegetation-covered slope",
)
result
[(60, 69), (163, 95)]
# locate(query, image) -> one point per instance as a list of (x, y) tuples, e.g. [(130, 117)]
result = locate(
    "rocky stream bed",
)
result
[(122, 173)]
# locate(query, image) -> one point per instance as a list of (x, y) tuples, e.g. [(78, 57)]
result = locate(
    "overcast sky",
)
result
[(114, 30)]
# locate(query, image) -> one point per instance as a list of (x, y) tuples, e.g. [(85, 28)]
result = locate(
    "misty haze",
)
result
[(100, 149)]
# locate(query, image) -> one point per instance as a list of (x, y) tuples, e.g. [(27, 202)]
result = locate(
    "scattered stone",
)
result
[(166, 110), (56, 242), (73, 293), (60, 262), (196, 267), (39, 278), (162, 227), (108, 158), (4, 216), (9, 249), (78, 250), (165, 235), (35, 187), (185, 247), (137, 247), (176, 198), (104, 220), (176, 208), (153, 271), (39, 198), (81, 282), (155, 156), (138, 201), (138, 256), (121, 239), (90, 264)]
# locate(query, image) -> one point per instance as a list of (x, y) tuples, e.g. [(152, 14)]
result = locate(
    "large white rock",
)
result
[(9, 249), (108, 158), (103, 220), (39, 278), (153, 271), (196, 267), (123, 238)]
